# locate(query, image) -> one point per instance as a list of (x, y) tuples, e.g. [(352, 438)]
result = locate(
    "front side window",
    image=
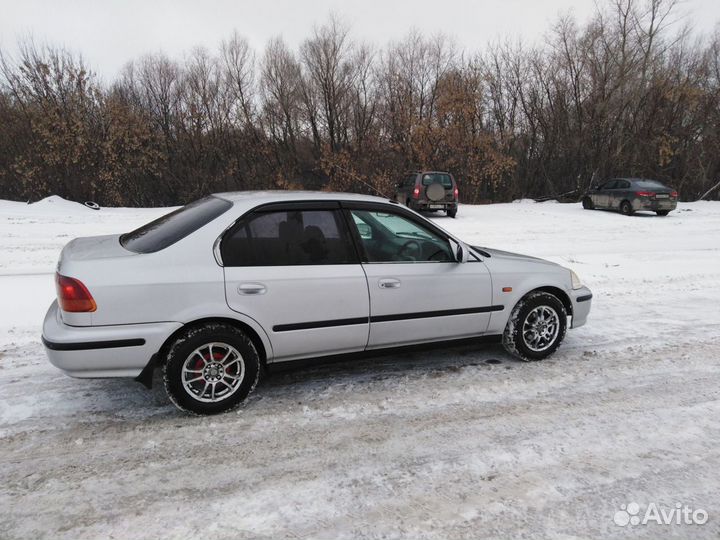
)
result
[(389, 237), (288, 238)]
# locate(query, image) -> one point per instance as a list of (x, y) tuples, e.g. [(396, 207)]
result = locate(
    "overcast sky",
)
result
[(108, 33)]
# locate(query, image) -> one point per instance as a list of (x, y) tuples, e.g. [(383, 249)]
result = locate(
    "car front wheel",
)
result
[(536, 326), (662, 212), (211, 369), (626, 208), (587, 203)]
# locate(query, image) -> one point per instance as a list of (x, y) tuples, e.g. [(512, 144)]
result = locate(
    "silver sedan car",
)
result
[(213, 292)]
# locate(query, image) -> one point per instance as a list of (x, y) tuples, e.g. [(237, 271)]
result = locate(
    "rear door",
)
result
[(418, 292), (443, 179), (621, 191), (294, 269), (405, 189)]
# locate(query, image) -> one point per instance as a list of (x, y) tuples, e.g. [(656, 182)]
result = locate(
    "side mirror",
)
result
[(364, 230), (463, 253), (460, 251)]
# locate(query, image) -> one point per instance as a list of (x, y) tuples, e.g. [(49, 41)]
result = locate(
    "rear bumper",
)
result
[(655, 205), (102, 351), (581, 301), (433, 205)]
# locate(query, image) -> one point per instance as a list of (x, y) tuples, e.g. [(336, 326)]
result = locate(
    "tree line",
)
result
[(631, 92)]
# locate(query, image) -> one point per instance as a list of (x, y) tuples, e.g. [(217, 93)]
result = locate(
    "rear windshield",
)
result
[(648, 184), (170, 228), (431, 178)]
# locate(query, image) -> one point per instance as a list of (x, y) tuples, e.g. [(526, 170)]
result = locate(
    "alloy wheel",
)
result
[(541, 328), (213, 372)]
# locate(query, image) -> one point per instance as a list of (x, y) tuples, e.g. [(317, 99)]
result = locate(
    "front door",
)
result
[(418, 292), (601, 198), (294, 269)]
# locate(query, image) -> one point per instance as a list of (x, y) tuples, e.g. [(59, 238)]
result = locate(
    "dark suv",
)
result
[(429, 190)]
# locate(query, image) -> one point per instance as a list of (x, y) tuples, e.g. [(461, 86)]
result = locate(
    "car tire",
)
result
[(530, 334), (626, 208), (211, 369), (587, 203), (662, 212), (452, 212)]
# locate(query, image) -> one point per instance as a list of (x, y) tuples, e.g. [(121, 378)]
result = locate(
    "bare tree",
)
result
[(629, 92)]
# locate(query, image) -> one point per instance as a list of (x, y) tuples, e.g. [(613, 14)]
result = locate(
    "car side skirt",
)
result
[(384, 318), (375, 353)]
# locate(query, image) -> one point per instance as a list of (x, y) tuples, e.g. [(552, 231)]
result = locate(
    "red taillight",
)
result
[(456, 192), (674, 194), (73, 296), (645, 193), (416, 192)]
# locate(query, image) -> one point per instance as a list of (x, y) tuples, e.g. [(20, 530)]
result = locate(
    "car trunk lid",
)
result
[(94, 247)]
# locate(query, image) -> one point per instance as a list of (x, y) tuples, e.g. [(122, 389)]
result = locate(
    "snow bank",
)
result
[(56, 204), (51, 205)]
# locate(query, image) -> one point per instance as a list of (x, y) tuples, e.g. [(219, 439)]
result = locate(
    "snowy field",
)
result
[(458, 443)]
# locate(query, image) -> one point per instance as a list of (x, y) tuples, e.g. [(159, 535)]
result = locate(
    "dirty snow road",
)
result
[(457, 443)]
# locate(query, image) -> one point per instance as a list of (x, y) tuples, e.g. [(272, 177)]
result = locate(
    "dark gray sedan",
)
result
[(629, 195)]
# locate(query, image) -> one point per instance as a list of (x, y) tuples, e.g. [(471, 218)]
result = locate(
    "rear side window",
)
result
[(431, 178), (288, 238), (410, 180), (175, 226)]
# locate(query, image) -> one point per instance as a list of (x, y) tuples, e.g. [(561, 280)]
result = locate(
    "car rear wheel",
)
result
[(452, 212), (662, 212), (536, 326), (587, 203), (211, 369), (626, 208)]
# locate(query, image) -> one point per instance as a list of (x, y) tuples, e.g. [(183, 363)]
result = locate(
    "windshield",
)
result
[(172, 227)]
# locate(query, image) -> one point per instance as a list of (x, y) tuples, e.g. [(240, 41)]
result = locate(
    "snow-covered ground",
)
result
[(458, 443)]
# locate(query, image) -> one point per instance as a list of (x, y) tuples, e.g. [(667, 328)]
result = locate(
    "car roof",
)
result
[(295, 195)]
